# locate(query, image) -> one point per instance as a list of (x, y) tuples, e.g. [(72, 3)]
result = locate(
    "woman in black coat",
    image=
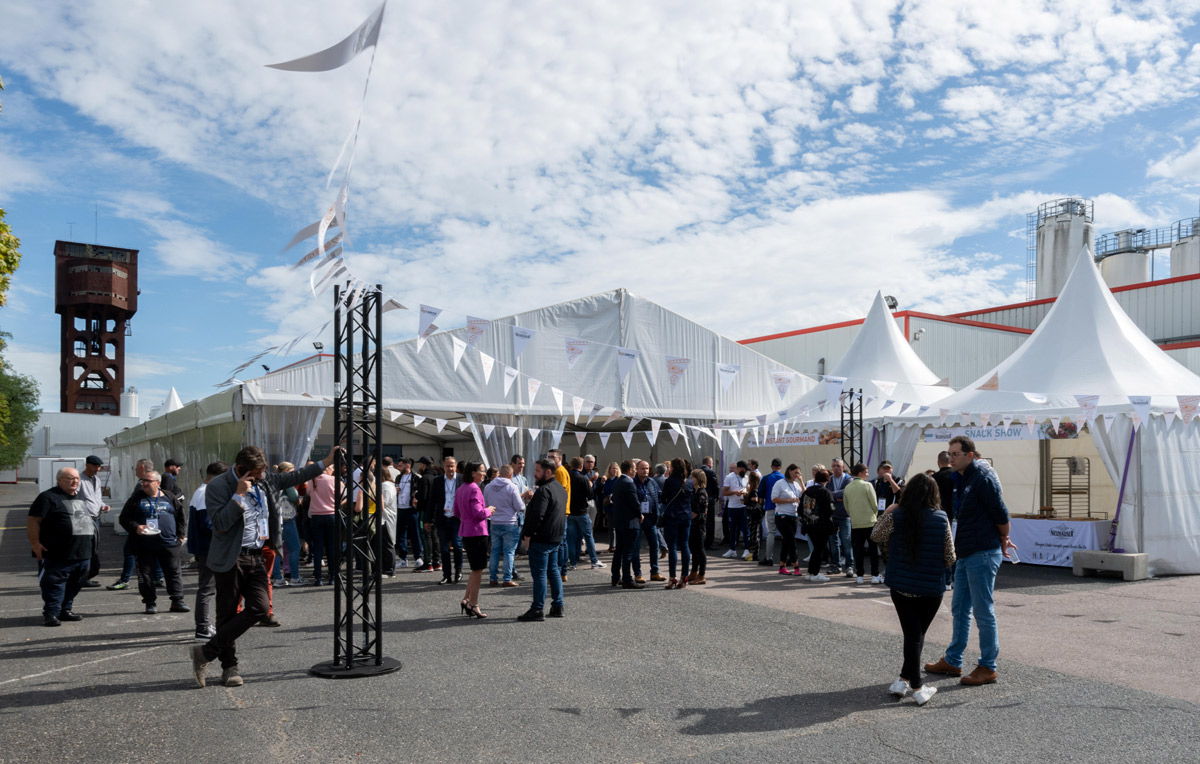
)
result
[(700, 510), (816, 518)]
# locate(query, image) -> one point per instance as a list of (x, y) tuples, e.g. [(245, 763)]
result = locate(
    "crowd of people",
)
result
[(251, 529)]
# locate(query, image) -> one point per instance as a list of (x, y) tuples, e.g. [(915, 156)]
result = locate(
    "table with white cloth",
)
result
[(1053, 541)]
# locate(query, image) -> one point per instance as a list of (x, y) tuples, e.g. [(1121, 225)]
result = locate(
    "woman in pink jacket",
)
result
[(472, 517)]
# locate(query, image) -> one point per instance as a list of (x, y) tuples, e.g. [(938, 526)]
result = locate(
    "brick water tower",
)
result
[(95, 292)]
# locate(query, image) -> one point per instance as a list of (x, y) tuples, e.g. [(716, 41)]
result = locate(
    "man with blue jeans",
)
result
[(579, 522), (981, 542), (502, 494), (648, 498), (841, 553), (545, 521)]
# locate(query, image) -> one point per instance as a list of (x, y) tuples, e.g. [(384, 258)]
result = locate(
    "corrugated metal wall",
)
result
[(962, 353), (803, 352)]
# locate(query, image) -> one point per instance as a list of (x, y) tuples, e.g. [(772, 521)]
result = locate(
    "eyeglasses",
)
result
[(149, 481), (955, 454)]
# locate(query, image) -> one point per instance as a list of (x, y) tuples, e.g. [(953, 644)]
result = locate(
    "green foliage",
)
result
[(18, 412), (10, 258)]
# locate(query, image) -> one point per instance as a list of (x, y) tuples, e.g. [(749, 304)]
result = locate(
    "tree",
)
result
[(18, 393)]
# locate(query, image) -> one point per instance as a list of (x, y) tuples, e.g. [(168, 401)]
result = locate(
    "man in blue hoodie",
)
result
[(980, 542)]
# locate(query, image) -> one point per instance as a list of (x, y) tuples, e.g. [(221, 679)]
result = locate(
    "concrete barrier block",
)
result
[(1132, 566)]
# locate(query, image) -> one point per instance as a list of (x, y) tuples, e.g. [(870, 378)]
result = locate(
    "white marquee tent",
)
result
[(1088, 346), (507, 396)]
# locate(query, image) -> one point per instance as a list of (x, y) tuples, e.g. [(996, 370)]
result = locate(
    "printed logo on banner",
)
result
[(575, 348), (475, 329), (675, 369), (521, 338), (1063, 531), (625, 359)]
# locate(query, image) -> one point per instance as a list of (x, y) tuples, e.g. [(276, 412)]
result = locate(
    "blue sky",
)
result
[(755, 166)]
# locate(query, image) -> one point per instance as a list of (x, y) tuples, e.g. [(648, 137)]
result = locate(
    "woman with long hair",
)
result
[(604, 488), (700, 510), (472, 516), (786, 496), (916, 534), (676, 518)]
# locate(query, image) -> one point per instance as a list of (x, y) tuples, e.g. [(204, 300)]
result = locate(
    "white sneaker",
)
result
[(900, 688), (597, 564), (806, 559), (858, 580), (923, 695), (730, 554), (402, 564), (820, 578), (746, 556), (418, 562), (949, 587), (876, 580)]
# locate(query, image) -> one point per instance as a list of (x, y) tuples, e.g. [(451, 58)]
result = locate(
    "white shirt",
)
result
[(784, 489), (735, 483), (387, 492), (448, 509), (198, 497), (404, 490)]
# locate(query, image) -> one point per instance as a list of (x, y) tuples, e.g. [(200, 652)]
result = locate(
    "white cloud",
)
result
[(1182, 166)]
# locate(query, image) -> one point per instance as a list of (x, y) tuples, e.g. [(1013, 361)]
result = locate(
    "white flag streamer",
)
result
[(726, 372), (1030, 421), (488, 429), (1055, 421), (1088, 403), (574, 348), (885, 387), (1108, 420), (782, 381), (633, 422), (1141, 407), (674, 436), (510, 376), (342, 53), (655, 425), (463, 426), (1188, 405), (738, 434), (595, 410), (987, 420), (533, 385), (441, 424), (833, 387), (417, 420), (922, 410), (675, 369), (488, 363), (429, 314), (533, 432), (604, 436), (422, 337), (558, 398), (521, 338), (475, 329), (512, 431), (614, 415), (904, 407), (628, 436), (315, 251), (580, 437), (1006, 420), (650, 436), (625, 360), (1169, 418), (460, 347), (942, 414), (576, 406)]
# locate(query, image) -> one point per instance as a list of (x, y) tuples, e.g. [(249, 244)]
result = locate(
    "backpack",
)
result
[(808, 510)]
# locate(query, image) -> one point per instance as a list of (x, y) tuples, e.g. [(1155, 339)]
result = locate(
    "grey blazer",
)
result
[(228, 518)]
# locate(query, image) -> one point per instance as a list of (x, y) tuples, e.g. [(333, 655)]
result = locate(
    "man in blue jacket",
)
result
[(980, 542), (648, 498)]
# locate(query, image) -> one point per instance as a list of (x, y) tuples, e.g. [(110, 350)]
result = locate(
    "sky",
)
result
[(755, 166)]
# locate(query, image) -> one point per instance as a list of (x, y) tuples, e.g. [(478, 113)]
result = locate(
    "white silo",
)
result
[(1128, 262), (1185, 251), (129, 402), (1064, 226)]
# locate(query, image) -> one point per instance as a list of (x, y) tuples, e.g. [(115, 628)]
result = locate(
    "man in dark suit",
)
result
[(245, 518), (442, 509), (423, 501), (627, 520), (545, 521)]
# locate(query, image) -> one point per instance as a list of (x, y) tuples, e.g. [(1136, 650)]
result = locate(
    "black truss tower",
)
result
[(357, 426), (852, 428)]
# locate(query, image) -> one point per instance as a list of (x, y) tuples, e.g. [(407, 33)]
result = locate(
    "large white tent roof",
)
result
[(1086, 345), (427, 378), (883, 365)]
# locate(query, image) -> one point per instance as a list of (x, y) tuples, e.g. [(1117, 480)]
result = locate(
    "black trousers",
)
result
[(819, 541), (246, 580), (915, 613), (622, 564), (94, 567), (710, 525), (754, 517), (389, 551), (786, 525), (696, 541), (861, 543), (148, 562)]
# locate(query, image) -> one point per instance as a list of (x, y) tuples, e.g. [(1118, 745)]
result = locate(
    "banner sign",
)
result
[(1066, 431)]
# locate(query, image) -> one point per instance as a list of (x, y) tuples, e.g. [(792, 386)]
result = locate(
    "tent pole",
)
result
[(1141, 528), (1112, 535)]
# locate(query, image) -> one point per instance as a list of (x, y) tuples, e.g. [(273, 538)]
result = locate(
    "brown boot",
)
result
[(657, 577), (941, 667), (699, 580), (981, 675)]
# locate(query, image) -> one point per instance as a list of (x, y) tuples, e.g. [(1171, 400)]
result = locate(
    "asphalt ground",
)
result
[(752, 667)]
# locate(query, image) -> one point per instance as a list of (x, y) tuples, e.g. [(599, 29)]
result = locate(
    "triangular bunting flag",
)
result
[(488, 429), (604, 436), (576, 406), (650, 436), (595, 410), (1108, 421), (428, 315), (886, 404), (1055, 421), (422, 337), (1006, 420), (1168, 418), (614, 415), (417, 420), (510, 376), (533, 386), (1141, 407), (885, 387), (580, 437), (475, 329), (558, 398), (633, 422), (922, 410), (463, 426), (675, 369), (391, 305), (655, 425), (987, 420), (782, 381), (512, 431), (738, 434), (521, 338), (625, 359), (726, 372), (488, 363), (833, 387), (441, 424), (533, 432), (904, 407), (460, 347), (1088, 404), (575, 348), (942, 414), (674, 436), (1030, 421), (1188, 405), (628, 437)]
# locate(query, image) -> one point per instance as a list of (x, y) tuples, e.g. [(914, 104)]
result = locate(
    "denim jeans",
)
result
[(543, 565), (676, 532), (737, 527), (504, 544), (579, 527), (649, 532), (766, 550), (841, 550), (61, 581), (291, 546), (974, 580), (206, 589)]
